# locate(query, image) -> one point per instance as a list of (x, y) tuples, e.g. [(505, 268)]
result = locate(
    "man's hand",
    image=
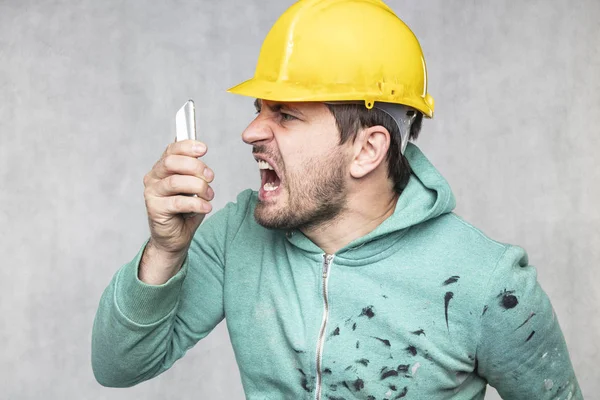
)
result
[(177, 173)]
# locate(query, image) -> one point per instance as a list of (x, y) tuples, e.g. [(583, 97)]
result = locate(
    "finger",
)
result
[(182, 165), (191, 148), (181, 184), (182, 205)]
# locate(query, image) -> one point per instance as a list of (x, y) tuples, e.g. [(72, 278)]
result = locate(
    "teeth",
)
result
[(264, 165), (268, 187)]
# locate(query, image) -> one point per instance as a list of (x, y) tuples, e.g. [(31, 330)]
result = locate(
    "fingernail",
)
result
[(199, 148), (208, 174)]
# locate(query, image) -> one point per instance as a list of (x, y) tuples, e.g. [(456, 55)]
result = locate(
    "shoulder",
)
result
[(227, 221), (450, 245), (235, 211), (504, 255), (246, 200), (458, 241)]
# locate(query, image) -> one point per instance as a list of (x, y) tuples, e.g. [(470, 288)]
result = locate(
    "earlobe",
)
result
[(370, 149), (358, 170)]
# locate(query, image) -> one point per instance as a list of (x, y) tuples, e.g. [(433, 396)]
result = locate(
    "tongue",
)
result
[(271, 177)]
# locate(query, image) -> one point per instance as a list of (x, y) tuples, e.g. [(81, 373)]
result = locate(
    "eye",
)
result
[(287, 117)]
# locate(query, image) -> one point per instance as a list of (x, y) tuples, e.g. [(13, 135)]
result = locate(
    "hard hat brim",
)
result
[(288, 92)]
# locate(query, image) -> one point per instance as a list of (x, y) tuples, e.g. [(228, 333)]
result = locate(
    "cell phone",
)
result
[(185, 128), (185, 122)]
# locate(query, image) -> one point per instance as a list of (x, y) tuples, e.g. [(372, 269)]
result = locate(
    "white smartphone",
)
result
[(185, 122), (185, 128)]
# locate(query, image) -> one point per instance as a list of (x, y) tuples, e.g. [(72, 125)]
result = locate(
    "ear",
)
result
[(370, 150)]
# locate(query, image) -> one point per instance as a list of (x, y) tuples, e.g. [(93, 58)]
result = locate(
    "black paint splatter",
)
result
[(419, 332), (349, 367), (526, 321), (508, 300), (403, 367), (428, 357), (484, 310), (363, 361), (357, 344), (299, 351), (336, 331), (393, 387), (388, 372), (471, 357), (371, 398), (412, 350), (354, 326), (530, 335), (452, 279), (447, 298), (346, 385), (367, 312), (384, 296), (402, 393), (327, 371), (384, 341), (335, 398), (304, 381), (358, 384)]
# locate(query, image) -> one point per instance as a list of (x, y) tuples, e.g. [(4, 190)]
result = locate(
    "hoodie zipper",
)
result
[(327, 259)]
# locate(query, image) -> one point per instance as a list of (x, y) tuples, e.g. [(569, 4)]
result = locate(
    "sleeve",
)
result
[(140, 330), (522, 352)]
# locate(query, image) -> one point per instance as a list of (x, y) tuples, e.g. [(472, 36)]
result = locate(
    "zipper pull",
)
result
[(326, 262)]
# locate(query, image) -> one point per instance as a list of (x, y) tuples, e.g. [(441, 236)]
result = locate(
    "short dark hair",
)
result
[(350, 118)]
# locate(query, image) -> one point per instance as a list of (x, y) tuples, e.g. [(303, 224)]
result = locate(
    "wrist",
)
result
[(157, 266)]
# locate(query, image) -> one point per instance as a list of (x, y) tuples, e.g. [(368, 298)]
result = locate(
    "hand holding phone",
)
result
[(178, 185)]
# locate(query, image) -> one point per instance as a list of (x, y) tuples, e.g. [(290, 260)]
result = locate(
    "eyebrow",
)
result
[(277, 107)]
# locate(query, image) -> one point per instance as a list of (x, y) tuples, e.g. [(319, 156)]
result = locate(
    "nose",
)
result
[(259, 130)]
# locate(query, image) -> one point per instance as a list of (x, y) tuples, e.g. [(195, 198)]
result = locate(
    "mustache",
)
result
[(261, 149)]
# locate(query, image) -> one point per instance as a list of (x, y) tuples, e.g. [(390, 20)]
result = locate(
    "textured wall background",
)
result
[(88, 92)]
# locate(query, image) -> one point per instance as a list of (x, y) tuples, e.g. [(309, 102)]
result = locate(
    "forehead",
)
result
[(303, 107)]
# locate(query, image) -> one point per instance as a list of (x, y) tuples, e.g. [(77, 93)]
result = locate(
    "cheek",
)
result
[(304, 151)]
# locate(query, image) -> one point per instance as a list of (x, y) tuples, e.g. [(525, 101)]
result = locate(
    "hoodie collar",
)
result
[(426, 196)]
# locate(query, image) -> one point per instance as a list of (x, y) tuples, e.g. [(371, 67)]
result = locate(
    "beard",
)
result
[(316, 194)]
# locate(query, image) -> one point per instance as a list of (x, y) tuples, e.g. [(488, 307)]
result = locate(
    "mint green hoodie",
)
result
[(423, 307)]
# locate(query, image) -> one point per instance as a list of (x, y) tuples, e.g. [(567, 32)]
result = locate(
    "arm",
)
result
[(522, 351), (140, 330)]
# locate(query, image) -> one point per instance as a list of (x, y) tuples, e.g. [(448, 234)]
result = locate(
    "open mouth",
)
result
[(270, 181)]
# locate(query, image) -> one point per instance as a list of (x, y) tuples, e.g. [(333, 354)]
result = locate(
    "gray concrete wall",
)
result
[(88, 90)]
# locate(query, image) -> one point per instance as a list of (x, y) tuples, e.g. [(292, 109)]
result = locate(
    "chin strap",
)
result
[(402, 115)]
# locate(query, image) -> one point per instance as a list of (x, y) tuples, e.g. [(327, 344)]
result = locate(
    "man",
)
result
[(347, 276)]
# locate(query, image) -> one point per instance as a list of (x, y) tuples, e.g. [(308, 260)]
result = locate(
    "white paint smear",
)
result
[(415, 368)]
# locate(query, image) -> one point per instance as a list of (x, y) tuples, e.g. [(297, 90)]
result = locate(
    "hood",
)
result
[(426, 196)]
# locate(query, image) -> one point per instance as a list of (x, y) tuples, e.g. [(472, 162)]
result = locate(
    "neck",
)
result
[(365, 210)]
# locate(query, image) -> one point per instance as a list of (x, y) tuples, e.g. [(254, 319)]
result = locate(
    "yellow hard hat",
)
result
[(340, 50)]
